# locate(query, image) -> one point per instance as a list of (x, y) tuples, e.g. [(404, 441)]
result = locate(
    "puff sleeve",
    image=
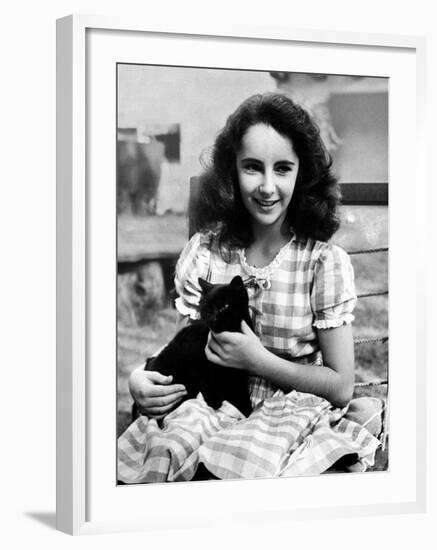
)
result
[(193, 263), (333, 295)]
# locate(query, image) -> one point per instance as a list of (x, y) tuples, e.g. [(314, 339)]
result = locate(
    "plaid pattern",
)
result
[(308, 286), (286, 435)]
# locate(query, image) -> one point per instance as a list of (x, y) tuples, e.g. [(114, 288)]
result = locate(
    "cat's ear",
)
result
[(204, 285), (237, 283)]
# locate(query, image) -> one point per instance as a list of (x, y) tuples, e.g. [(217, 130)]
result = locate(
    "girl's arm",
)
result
[(333, 381), (182, 321), (154, 393)]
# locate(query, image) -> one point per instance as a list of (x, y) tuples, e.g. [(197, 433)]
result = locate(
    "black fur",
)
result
[(222, 308)]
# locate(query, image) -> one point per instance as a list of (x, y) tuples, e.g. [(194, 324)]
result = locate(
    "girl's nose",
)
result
[(267, 186)]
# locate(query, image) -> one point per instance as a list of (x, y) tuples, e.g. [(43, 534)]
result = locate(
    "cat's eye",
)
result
[(223, 308)]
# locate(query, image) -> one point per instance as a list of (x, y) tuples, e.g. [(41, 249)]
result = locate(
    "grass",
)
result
[(135, 344), (371, 316)]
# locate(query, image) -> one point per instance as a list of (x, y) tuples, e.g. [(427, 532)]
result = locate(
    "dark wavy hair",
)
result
[(312, 212)]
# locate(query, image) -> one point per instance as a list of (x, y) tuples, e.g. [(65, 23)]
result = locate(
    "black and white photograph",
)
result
[(252, 274)]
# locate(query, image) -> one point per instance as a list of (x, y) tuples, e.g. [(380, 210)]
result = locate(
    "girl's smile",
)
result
[(265, 204), (267, 168)]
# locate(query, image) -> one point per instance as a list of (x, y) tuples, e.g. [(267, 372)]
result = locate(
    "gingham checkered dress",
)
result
[(308, 286)]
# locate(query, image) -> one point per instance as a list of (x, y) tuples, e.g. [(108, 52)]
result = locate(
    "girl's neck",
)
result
[(269, 238), (266, 245)]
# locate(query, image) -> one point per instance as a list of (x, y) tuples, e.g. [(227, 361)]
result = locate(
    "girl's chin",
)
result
[(266, 216), (267, 219)]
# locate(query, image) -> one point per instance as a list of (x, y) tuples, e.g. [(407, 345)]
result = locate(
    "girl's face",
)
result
[(267, 168)]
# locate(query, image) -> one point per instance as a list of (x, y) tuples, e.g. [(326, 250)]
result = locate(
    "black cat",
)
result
[(222, 308)]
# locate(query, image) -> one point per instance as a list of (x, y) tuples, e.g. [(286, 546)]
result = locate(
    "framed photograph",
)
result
[(139, 109)]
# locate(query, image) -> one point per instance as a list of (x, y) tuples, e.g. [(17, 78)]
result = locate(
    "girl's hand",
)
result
[(154, 393), (241, 350)]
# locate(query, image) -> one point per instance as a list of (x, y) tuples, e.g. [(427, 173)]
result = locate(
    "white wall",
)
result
[(28, 261), (353, 122), (361, 120)]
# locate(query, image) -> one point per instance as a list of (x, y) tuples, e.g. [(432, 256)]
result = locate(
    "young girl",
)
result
[(266, 210)]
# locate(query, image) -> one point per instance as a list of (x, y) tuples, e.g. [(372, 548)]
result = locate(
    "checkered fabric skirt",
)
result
[(286, 435)]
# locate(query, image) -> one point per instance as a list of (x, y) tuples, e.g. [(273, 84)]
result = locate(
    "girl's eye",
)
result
[(283, 168), (251, 168)]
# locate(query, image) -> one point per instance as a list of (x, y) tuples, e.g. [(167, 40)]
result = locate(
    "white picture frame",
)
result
[(87, 500)]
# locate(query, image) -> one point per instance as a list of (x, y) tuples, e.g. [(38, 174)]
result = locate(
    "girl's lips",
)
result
[(265, 203)]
